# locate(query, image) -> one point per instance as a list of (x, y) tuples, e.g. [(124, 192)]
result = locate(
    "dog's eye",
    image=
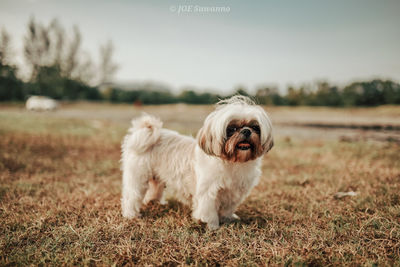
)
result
[(256, 128), (230, 131)]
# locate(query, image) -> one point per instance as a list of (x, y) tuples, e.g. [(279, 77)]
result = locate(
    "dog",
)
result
[(213, 173)]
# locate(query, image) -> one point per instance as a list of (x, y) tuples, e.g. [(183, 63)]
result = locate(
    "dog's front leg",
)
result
[(205, 208), (206, 212)]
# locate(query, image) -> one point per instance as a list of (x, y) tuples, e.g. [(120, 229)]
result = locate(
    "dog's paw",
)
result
[(130, 214), (231, 218), (212, 226), (211, 221), (163, 201)]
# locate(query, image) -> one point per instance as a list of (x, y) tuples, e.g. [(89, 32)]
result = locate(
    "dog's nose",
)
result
[(246, 132)]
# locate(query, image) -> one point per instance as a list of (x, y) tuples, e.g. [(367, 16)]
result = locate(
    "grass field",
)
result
[(60, 195)]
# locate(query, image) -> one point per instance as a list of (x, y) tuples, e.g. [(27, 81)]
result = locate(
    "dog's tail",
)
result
[(143, 134)]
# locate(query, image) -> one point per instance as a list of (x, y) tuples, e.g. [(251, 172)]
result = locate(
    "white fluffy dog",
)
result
[(212, 174)]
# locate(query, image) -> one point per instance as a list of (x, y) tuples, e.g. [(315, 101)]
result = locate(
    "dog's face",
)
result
[(237, 131), (243, 141)]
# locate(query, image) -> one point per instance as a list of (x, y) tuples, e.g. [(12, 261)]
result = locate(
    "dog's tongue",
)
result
[(244, 145)]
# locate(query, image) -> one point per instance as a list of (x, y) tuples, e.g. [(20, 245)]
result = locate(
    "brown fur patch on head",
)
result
[(232, 151)]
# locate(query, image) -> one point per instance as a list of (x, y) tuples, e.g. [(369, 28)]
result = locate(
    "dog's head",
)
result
[(237, 131)]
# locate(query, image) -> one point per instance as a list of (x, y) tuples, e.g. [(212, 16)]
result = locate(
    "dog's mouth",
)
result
[(243, 145)]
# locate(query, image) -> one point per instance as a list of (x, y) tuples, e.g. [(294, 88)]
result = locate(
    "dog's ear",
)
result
[(269, 146), (204, 139), (207, 139), (267, 140)]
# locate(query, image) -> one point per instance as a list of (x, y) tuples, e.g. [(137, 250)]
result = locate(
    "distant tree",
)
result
[(364, 94), (58, 38), (107, 67), (390, 92), (131, 96), (209, 98), (10, 86), (71, 62), (113, 95), (269, 96), (372, 94), (49, 82), (188, 96), (296, 97), (5, 49), (86, 70), (326, 95), (35, 43)]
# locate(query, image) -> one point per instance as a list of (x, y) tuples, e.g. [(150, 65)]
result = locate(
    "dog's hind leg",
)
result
[(155, 191), (135, 182)]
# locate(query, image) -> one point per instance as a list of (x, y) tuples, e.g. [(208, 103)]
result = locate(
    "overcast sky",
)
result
[(248, 43)]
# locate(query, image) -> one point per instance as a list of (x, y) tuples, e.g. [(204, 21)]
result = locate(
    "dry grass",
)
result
[(60, 190)]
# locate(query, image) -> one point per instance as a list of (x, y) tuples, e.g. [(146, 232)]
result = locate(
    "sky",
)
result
[(244, 43)]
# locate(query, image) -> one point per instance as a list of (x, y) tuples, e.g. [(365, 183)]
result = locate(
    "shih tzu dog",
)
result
[(212, 173)]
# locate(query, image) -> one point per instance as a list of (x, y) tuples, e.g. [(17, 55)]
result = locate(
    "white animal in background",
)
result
[(41, 103), (212, 174)]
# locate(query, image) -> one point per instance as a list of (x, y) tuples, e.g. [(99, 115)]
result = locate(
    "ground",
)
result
[(61, 184)]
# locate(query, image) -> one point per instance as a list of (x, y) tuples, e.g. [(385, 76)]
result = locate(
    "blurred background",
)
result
[(319, 53)]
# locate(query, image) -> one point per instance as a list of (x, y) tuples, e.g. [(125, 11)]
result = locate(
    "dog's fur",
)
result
[(212, 175)]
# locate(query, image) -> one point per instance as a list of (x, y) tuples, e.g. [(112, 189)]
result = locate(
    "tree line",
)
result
[(365, 93), (369, 93), (57, 66)]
